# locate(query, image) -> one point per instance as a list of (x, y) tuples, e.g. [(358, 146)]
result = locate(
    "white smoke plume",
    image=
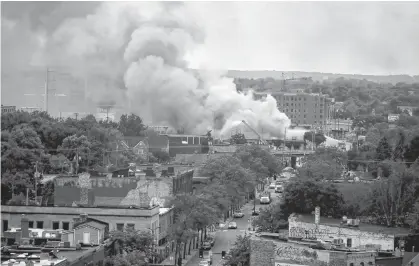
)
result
[(146, 44)]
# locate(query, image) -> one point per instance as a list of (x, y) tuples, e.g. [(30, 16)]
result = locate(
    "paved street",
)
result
[(225, 238)]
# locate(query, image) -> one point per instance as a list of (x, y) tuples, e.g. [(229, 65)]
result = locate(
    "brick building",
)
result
[(303, 108), (47, 217)]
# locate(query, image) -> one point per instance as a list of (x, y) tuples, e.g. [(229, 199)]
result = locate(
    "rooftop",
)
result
[(74, 255), (164, 210), (40, 263), (362, 227)]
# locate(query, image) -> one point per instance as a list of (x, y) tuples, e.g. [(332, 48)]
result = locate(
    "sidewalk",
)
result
[(168, 261)]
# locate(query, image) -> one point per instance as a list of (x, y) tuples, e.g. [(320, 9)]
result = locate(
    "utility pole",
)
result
[(46, 90), (37, 175)]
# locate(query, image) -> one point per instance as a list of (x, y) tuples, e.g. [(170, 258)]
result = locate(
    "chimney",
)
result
[(24, 226)]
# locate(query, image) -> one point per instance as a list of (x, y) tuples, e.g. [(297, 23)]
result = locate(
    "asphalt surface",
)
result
[(225, 238)]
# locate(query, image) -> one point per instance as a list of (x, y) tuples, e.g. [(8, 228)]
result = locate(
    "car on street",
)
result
[(211, 240), (265, 200), (204, 263), (238, 215), (279, 189), (272, 185), (255, 213), (232, 225), (206, 245)]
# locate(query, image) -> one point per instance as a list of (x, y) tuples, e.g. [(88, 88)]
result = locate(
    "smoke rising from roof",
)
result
[(146, 44)]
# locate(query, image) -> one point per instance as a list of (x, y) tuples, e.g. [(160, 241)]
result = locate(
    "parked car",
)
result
[(238, 215), (232, 225), (211, 240), (279, 189), (204, 263), (272, 185), (255, 213), (206, 245)]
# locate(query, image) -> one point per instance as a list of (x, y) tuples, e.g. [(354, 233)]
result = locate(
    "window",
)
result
[(55, 225), (30, 224), (349, 242), (131, 226), (66, 225), (40, 224), (304, 116), (120, 227), (321, 116), (5, 226)]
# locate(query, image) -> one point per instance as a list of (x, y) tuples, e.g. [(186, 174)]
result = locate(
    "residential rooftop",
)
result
[(76, 254), (362, 227)]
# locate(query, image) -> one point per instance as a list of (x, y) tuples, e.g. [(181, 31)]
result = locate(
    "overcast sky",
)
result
[(338, 37)]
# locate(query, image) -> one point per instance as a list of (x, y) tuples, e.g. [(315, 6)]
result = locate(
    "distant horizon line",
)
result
[(35, 68)]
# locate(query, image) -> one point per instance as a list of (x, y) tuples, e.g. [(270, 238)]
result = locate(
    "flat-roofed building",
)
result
[(302, 108)]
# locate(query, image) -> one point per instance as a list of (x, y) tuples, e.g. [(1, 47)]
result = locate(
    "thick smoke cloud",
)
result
[(134, 55), (169, 93)]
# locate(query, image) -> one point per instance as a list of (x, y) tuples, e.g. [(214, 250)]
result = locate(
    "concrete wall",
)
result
[(299, 229), (141, 218)]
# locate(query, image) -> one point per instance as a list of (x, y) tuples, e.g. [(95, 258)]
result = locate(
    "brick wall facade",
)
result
[(141, 218), (262, 253)]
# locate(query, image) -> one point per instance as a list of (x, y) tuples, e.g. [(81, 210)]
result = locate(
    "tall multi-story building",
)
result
[(304, 109)]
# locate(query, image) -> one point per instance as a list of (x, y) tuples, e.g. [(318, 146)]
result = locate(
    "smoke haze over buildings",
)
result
[(146, 44), (136, 55)]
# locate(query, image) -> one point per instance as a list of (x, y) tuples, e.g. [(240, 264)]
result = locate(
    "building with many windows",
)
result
[(8, 109), (303, 108)]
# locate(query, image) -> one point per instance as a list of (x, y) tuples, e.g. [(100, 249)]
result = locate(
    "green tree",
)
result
[(394, 196), (319, 138), (383, 151), (303, 196), (229, 172), (240, 252), (130, 240), (21, 148), (131, 125), (399, 150), (238, 138), (161, 156), (325, 163), (77, 149), (271, 219), (412, 151)]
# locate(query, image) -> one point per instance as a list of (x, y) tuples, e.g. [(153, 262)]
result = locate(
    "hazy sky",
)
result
[(378, 38), (338, 37)]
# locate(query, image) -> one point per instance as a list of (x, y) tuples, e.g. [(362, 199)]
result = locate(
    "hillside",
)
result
[(321, 76)]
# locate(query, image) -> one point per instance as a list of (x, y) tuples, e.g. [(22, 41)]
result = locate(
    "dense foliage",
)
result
[(36, 141)]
